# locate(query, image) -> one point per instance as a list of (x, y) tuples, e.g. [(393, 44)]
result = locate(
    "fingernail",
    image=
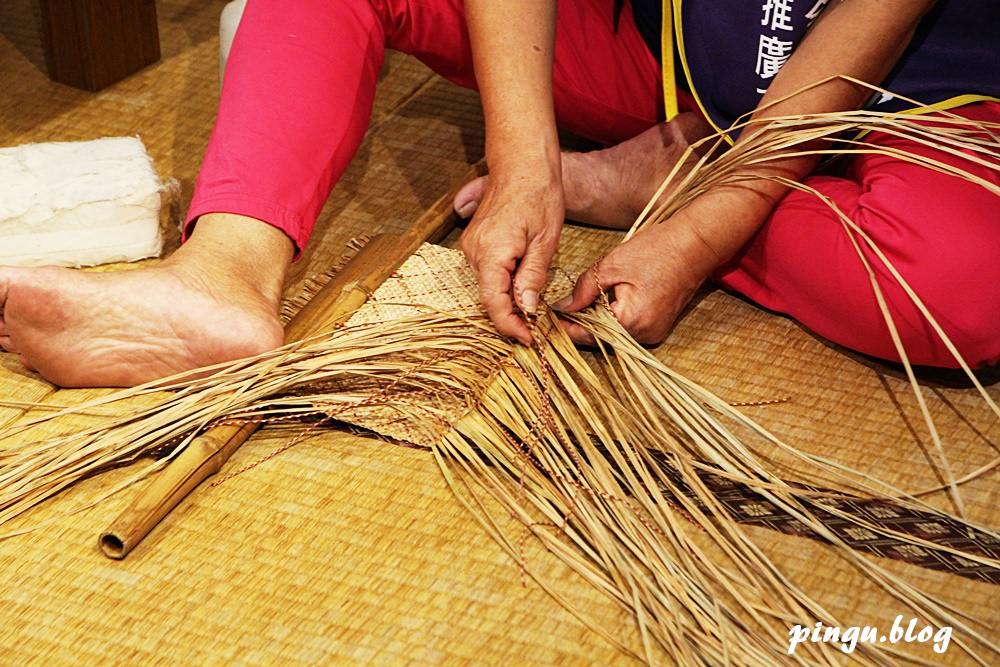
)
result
[(563, 303), (467, 209), (529, 301)]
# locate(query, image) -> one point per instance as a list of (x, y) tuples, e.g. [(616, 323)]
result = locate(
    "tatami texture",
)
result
[(349, 549)]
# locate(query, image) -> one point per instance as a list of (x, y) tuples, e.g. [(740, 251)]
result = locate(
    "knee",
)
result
[(942, 237), (972, 322), (959, 283)]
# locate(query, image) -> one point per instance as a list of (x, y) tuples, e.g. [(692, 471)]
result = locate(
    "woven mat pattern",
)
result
[(347, 549), (437, 279)]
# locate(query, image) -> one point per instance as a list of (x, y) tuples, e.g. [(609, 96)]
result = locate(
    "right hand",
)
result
[(511, 240)]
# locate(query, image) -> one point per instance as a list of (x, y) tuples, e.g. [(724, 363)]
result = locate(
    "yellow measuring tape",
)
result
[(667, 56)]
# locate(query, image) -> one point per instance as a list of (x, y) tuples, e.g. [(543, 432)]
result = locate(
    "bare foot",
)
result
[(204, 305), (610, 187)]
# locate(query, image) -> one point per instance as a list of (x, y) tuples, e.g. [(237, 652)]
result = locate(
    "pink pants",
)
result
[(298, 95)]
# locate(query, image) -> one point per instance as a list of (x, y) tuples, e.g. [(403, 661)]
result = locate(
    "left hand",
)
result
[(654, 275)]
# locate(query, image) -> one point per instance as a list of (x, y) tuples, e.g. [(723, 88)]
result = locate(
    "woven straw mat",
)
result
[(347, 549)]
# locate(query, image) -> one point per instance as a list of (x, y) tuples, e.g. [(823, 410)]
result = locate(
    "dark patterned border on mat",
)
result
[(750, 507)]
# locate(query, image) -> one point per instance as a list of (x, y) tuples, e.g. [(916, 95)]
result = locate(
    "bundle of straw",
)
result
[(574, 454)]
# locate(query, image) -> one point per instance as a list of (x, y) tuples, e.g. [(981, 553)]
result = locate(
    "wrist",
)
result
[(713, 229), (533, 185), (524, 150), (532, 165)]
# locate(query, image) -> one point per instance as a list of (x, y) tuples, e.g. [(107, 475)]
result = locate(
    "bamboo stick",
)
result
[(332, 305), (570, 455)]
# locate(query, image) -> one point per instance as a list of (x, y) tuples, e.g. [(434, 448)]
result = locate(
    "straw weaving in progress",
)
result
[(439, 279), (424, 490), (625, 470), (634, 477)]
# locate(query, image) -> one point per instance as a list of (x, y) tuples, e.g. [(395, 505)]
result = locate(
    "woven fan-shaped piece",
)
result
[(432, 279)]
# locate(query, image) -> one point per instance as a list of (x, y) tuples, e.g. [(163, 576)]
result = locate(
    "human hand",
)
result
[(653, 276), (510, 243)]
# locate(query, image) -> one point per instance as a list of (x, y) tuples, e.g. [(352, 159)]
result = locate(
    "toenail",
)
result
[(467, 209)]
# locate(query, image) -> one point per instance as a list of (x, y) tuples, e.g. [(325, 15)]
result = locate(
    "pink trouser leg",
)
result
[(296, 100), (941, 233), (298, 95), (301, 79)]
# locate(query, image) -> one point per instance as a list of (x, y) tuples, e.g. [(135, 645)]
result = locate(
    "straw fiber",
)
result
[(346, 548)]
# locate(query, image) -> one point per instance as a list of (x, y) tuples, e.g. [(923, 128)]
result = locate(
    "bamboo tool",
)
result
[(549, 446), (332, 305)]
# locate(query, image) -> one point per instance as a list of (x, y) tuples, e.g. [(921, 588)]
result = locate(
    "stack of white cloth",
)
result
[(79, 203)]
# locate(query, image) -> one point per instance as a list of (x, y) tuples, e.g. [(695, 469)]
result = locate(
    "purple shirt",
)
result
[(734, 48)]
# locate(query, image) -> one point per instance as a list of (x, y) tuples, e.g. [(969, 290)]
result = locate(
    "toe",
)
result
[(467, 200)]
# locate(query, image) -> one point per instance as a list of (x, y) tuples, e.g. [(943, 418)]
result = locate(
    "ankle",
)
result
[(238, 250), (580, 182)]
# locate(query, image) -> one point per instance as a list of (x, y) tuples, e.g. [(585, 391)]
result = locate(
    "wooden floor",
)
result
[(349, 548)]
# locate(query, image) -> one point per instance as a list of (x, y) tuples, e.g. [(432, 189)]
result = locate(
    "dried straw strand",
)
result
[(571, 456)]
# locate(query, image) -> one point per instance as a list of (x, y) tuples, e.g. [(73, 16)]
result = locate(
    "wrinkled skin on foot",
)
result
[(122, 329), (205, 305)]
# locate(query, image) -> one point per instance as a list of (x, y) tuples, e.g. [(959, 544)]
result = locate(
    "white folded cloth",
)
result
[(78, 203)]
